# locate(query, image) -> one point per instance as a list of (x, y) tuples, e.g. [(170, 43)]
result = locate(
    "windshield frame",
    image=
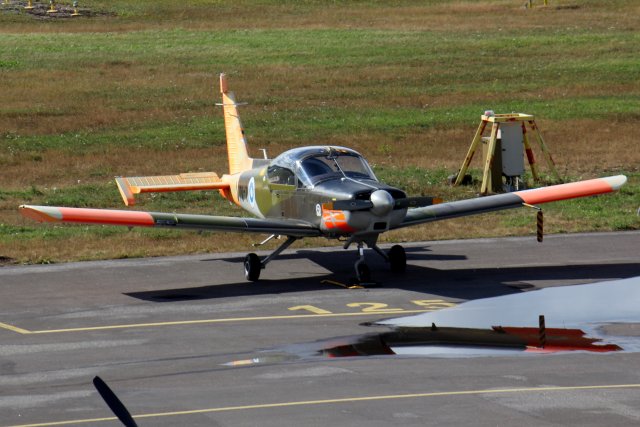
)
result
[(320, 167)]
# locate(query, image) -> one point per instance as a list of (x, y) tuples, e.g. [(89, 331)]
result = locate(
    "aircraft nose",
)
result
[(382, 202)]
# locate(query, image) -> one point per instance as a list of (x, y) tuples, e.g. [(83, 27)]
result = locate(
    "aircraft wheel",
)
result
[(364, 274), (397, 259), (252, 267)]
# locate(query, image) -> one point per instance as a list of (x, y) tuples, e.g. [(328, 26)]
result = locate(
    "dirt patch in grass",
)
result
[(5, 260), (45, 11)]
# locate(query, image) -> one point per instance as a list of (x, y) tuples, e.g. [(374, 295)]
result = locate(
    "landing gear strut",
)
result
[(252, 264), (363, 274), (396, 257)]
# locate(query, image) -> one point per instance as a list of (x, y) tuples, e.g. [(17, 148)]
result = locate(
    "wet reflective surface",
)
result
[(600, 318), (580, 306), (467, 341)]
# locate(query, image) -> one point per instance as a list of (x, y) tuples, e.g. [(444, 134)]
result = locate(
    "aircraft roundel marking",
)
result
[(318, 210), (252, 192)]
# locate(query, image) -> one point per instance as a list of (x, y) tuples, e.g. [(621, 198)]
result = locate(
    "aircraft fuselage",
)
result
[(264, 199)]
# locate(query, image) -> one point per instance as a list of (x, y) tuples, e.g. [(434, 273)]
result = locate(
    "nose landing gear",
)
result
[(363, 273), (396, 257)]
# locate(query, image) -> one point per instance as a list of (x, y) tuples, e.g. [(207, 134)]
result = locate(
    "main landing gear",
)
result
[(396, 257), (253, 265)]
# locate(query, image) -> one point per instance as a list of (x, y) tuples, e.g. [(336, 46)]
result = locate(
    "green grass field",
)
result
[(130, 88)]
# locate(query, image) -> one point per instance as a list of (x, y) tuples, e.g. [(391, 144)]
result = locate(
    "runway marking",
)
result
[(14, 328), (374, 307), (203, 321), (367, 308), (310, 308), (343, 400)]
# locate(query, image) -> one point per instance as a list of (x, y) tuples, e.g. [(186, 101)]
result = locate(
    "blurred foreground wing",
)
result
[(513, 200), (129, 186), (168, 220)]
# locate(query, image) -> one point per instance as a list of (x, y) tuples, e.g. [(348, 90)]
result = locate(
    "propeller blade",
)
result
[(114, 403), (408, 202), (416, 202), (352, 205)]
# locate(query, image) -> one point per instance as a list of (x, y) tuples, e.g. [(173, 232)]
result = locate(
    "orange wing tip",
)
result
[(87, 216), (107, 217), (572, 190), (41, 213)]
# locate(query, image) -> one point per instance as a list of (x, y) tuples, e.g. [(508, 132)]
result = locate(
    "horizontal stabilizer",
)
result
[(129, 186)]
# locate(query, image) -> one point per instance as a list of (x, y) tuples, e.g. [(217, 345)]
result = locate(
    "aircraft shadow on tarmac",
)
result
[(464, 284)]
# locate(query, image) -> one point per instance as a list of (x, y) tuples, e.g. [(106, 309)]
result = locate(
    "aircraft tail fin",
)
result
[(239, 159)]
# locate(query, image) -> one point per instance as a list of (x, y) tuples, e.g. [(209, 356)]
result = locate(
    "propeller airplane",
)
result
[(312, 191)]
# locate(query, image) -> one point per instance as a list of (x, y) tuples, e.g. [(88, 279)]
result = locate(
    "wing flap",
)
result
[(513, 200), (168, 220), (130, 186)]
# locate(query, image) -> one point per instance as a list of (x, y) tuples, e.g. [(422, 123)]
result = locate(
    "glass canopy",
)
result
[(312, 165)]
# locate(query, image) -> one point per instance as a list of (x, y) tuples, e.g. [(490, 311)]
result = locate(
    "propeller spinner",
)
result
[(382, 202)]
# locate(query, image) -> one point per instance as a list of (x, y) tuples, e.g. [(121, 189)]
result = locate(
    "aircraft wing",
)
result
[(129, 186), (169, 220), (512, 200)]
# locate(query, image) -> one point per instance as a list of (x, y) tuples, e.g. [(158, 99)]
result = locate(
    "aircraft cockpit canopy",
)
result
[(312, 165)]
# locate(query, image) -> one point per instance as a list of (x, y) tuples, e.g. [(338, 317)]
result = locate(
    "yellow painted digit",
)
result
[(374, 307), (311, 308), (434, 304)]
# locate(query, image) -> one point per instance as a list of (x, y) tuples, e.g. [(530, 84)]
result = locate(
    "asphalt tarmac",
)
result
[(187, 341)]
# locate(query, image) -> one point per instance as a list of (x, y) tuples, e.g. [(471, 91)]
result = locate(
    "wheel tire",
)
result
[(252, 267), (364, 274), (397, 259)]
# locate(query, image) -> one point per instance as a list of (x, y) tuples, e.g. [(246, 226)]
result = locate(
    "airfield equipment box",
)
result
[(508, 158), (503, 152)]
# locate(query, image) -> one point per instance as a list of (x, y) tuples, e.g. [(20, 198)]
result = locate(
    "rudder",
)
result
[(239, 159)]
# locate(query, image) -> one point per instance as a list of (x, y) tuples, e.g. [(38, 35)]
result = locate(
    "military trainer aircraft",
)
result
[(308, 191)]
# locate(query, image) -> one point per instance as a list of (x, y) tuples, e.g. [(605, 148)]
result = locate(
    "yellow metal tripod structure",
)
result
[(496, 120)]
